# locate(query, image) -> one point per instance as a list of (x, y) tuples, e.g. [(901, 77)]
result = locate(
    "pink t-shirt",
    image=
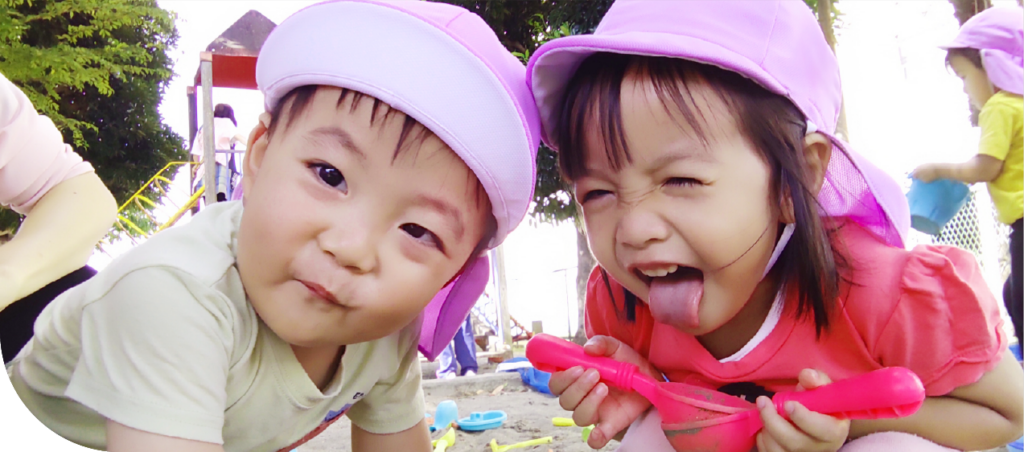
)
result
[(928, 310), (33, 156)]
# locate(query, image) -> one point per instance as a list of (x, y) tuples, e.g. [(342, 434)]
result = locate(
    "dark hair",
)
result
[(972, 55), (225, 111), (810, 263), (300, 97)]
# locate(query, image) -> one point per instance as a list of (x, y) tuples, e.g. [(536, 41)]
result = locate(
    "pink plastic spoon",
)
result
[(700, 419)]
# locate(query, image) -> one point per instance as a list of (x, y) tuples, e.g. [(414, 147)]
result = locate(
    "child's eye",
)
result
[(330, 175), (424, 235), (592, 195), (683, 182)]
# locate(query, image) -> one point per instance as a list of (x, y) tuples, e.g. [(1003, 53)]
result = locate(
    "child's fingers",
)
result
[(765, 443), (561, 380), (598, 438), (810, 379), (615, 349), (578, 390), (778, 433), (820, 427), (601, 434), (586, 411), (601, 346)]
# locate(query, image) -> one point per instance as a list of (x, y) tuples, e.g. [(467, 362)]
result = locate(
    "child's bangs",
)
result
[(592, 105), (298, 99)]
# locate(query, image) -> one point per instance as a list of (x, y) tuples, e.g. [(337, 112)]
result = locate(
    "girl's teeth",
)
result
[(658, 273)]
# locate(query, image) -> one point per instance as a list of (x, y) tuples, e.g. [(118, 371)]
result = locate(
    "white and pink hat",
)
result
[(776, 43), (444, 67)]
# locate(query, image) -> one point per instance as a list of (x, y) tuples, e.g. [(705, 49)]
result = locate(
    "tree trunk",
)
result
[(584, 264), (828, 28), (964, 10)]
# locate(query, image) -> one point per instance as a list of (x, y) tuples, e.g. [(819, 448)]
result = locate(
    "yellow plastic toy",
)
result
[(563, 422), (444, 442), (533, 442)]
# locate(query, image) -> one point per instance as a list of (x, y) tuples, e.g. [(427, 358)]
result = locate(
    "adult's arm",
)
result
[(67, 208)]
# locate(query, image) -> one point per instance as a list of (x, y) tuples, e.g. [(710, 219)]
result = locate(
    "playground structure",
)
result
[(161, 183), (228, 62)]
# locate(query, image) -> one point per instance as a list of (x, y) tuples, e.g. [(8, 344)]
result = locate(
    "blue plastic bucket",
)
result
[(933, 204)]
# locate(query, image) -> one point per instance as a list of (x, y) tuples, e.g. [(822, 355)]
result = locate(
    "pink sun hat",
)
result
[(442, 66), (777, 44), (998, 33)]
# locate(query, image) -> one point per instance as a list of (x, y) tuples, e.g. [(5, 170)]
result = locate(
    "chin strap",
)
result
[(787, 233)]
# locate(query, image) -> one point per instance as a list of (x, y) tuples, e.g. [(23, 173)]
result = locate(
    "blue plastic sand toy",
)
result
[(477, 422), (447, 412)]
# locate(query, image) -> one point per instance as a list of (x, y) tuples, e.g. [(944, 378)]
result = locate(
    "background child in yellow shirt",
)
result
[(987, 56)]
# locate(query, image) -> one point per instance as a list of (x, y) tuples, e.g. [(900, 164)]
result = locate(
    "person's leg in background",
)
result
[(465, 348), (1013, 299), (446, 366), (197, 184), (223, 183), (1013, 290), (18, 319)]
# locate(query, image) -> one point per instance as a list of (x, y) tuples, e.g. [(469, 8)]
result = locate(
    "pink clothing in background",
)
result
[(33, 155)]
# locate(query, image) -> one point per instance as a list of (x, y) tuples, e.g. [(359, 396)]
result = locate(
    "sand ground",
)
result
[(529, 416), (529, 412)]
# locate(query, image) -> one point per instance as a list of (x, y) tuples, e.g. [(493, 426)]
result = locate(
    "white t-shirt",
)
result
[(163, 340), (223, 130)]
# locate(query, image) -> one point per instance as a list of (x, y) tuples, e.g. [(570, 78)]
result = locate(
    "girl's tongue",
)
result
[(675, 299)]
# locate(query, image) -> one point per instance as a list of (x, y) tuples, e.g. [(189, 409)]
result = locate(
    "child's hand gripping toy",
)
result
[(696, 418)]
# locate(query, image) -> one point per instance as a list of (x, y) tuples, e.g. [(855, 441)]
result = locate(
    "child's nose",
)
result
[(640, 228), (353, 247)]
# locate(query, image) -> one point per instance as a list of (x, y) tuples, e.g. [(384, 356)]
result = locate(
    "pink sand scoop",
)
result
[(697, 419)]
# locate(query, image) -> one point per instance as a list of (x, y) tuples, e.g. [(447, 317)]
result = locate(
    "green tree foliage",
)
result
[(98, 69)]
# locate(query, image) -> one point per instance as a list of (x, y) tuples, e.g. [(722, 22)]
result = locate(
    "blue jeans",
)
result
[(223, 174), (462, 349)]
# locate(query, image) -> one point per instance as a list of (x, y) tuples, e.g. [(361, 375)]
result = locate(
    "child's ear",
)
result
[(817, 153), (256, 149)]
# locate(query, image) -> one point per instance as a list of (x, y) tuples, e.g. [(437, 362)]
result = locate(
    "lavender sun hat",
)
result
[(442, 66), (777, 44), (998, 33)]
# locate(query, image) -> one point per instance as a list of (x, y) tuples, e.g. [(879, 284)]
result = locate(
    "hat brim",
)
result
[(448, 309), (555, 63)]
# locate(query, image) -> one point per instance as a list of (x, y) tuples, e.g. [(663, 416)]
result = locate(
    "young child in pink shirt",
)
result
[(743, 247)]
